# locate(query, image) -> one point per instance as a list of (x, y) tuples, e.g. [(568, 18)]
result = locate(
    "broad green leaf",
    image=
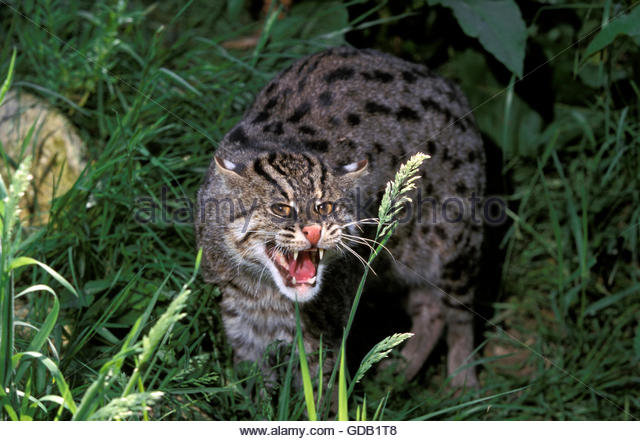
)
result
[(497, 24), (627, 24), (522, 127)]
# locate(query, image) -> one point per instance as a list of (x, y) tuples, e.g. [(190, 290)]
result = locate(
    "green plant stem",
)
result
[(6, 296)]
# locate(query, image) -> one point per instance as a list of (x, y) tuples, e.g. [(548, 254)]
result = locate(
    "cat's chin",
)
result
[(301, 293)]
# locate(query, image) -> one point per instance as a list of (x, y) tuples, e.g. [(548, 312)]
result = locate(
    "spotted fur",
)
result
[(334, 127)]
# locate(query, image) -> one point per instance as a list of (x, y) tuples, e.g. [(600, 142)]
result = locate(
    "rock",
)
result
[(59, 155)]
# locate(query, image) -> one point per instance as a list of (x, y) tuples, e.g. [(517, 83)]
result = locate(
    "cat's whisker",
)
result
[(366, 240), (362, 238), (366, 221), (360, 242), (239, 262), (359, 257), (357, 224), (370, 246)]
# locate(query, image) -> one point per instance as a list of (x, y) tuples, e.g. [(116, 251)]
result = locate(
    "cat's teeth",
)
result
[(320, 253), (311, 281), (293, 280), (295, 255)]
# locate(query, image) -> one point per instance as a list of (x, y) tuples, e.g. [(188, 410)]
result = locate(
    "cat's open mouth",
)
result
[(296, 268)]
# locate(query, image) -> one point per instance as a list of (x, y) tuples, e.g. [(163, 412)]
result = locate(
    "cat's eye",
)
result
[(282, 210), (324, 208)]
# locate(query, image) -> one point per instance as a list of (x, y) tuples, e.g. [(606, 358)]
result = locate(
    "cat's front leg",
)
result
[(427, 317), (460, 344)]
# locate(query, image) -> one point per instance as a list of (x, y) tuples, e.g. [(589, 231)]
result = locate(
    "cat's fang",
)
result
[(320, 253), (295, 255)]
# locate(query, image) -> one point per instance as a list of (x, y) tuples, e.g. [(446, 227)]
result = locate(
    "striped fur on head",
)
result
[(266, 203)]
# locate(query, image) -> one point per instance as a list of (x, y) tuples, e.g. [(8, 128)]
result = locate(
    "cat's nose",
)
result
[(312, 233)]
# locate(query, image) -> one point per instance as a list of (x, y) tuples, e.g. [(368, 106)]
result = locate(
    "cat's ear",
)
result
[(354, 169), (228, 168)]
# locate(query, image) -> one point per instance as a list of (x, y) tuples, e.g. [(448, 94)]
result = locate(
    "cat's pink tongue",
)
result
[(302, 269)]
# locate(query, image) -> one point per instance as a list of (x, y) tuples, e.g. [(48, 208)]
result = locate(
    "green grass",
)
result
[(151, 88)]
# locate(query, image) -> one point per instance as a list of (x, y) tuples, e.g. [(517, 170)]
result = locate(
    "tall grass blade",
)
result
[(467, 404), (304, 371), (343, 411), (9, 77), (60, 382), (92, 398), (24, 261)]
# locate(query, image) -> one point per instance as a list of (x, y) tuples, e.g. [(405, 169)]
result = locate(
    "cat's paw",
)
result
[(463, 382)]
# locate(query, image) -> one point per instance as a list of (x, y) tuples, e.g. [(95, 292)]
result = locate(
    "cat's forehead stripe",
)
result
[(317, 186), (295, 173), (282, 175), (260, 171), (272, 160)]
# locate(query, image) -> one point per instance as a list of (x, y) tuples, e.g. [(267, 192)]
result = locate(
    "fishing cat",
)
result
[(282, 208)]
